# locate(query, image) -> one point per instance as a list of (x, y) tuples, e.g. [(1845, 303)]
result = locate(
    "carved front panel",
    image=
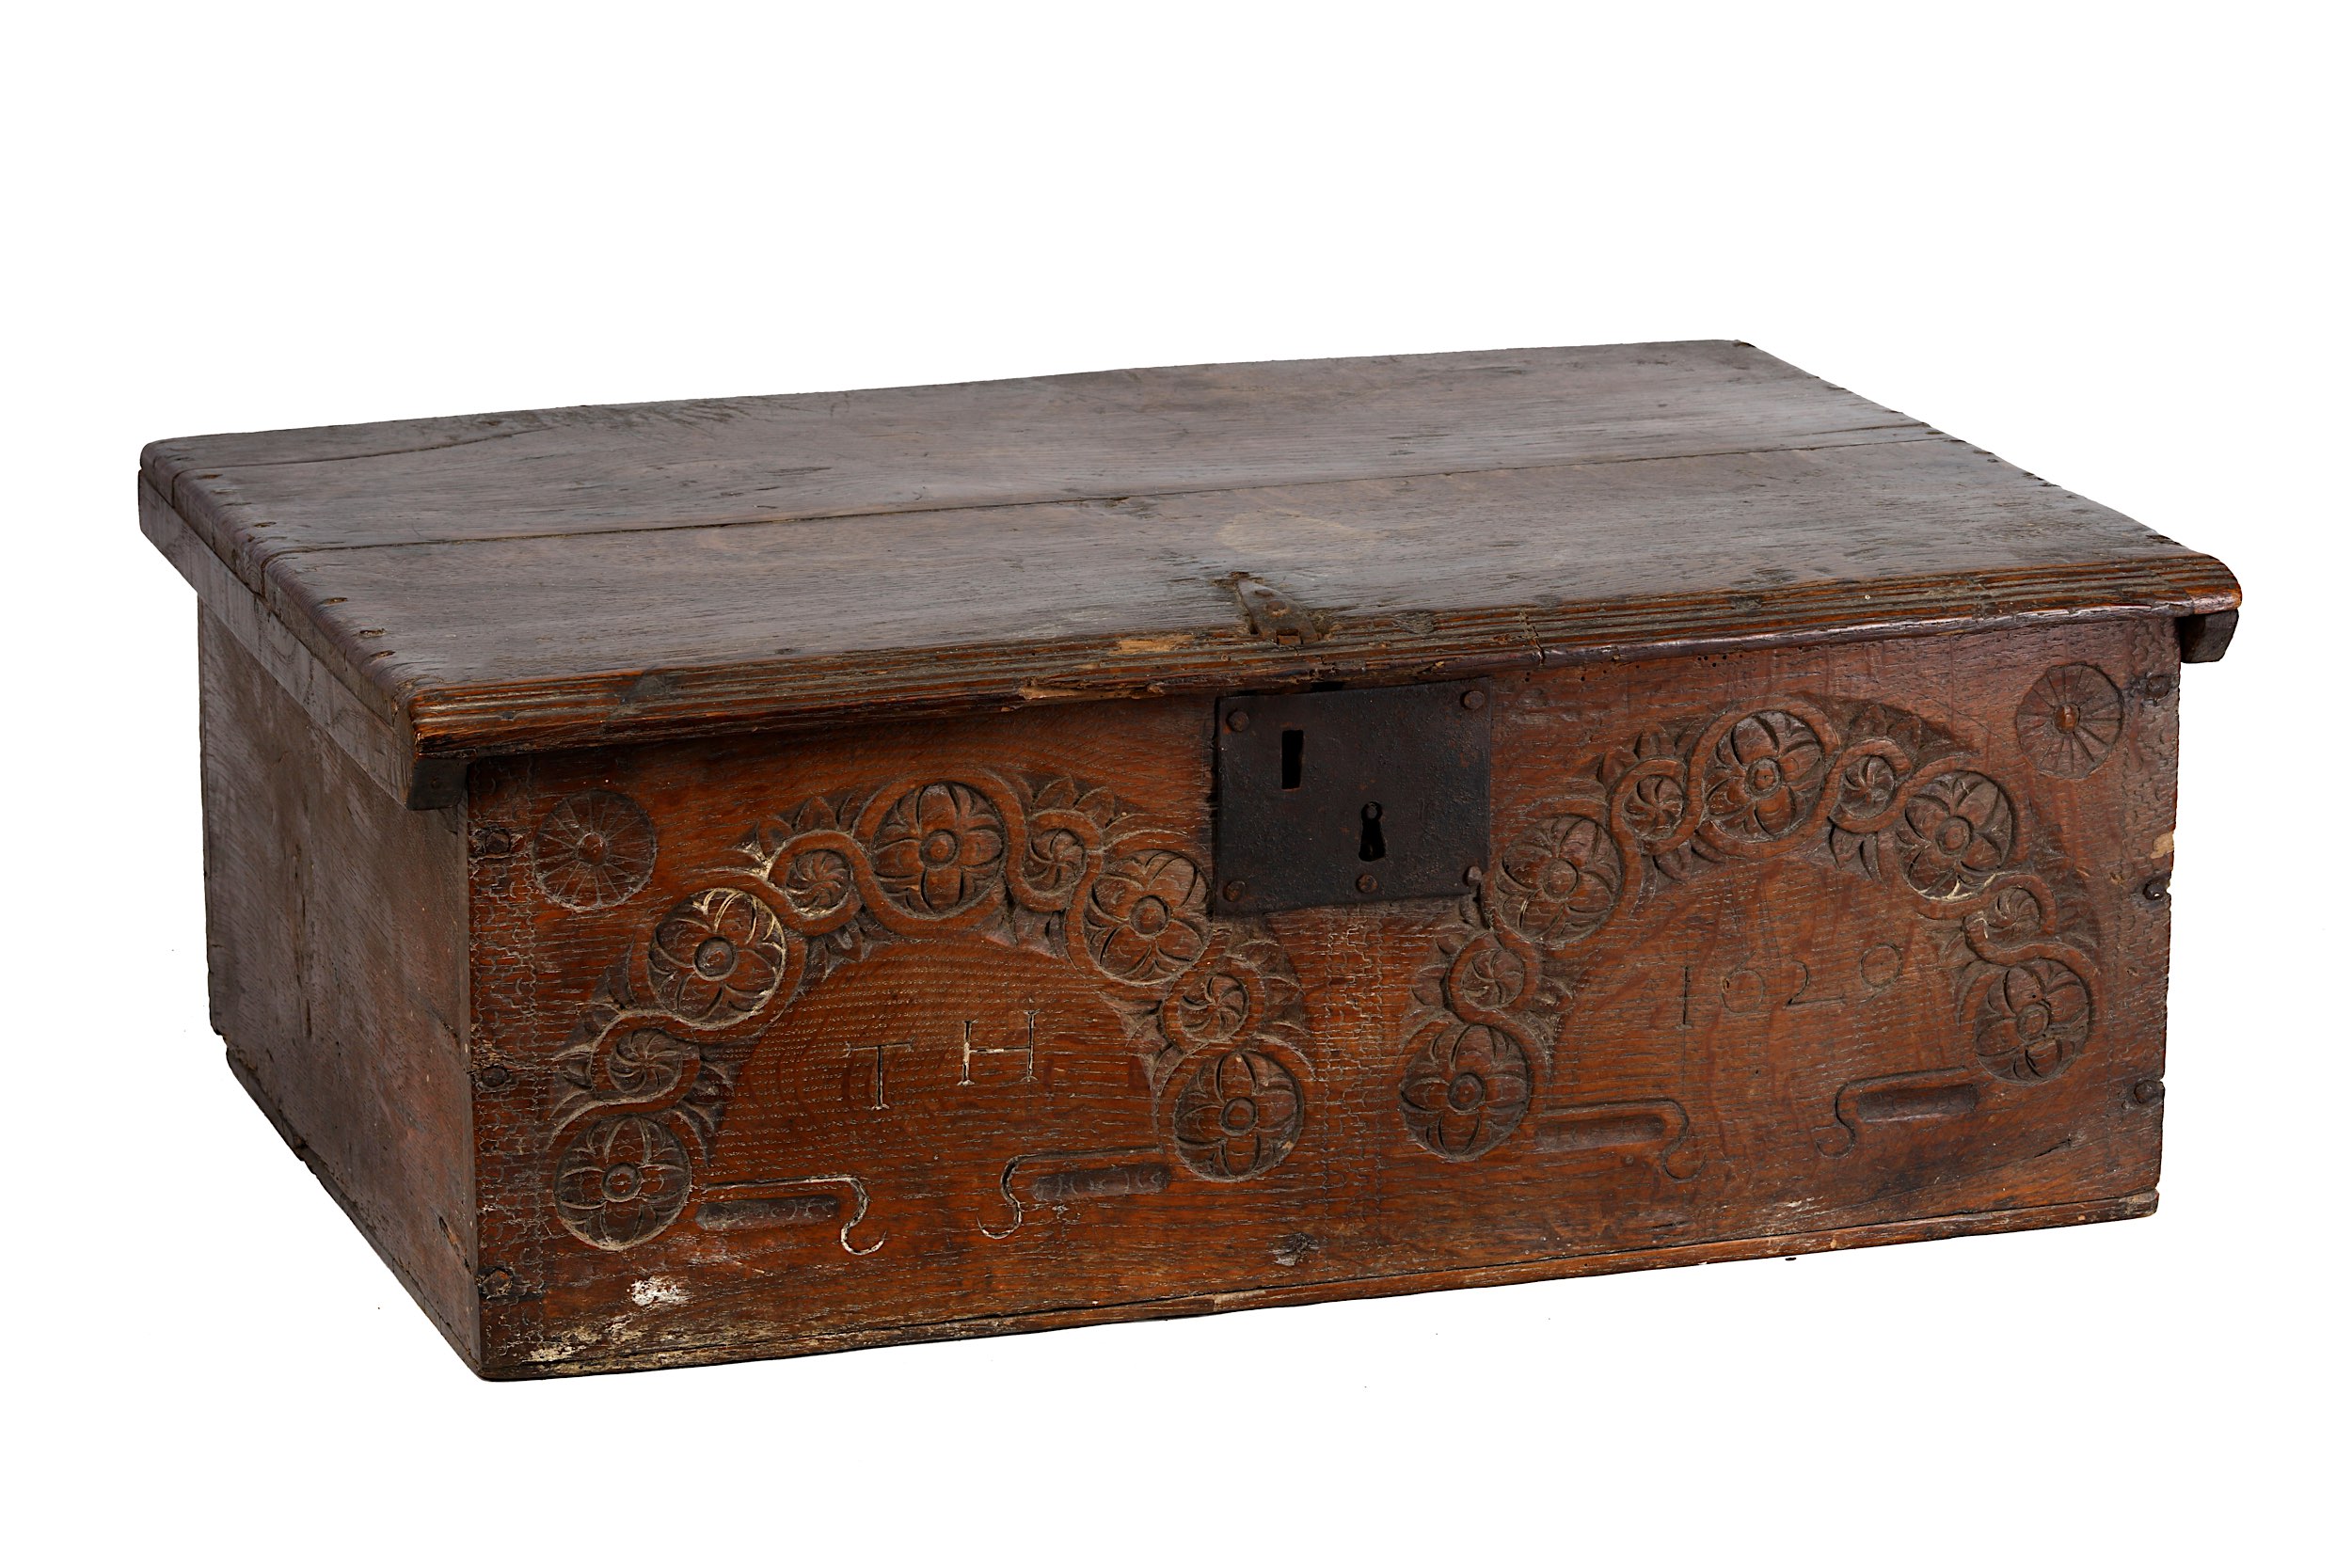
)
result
[(901, 1028)]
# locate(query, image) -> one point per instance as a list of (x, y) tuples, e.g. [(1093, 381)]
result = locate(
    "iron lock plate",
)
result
[(1351, 797)]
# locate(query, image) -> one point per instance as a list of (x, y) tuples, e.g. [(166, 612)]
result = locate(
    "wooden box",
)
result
[(714, 879)]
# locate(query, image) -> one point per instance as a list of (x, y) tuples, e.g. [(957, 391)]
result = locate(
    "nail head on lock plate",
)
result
[(1366, 884)]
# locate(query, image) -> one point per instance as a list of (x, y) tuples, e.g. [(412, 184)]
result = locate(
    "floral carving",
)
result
[(2071, 720), (1654, 807), (2035, 1017), (647, 1063), (1489, 977), (817, 884), (940, 848), (1562, 878), (1212, 1008), (1955, 833), (620, 1182), (1146, 920), (592, 850), (2011, 916), (1212, 1005), (1763, 776), (1238, 1112), (1056, 861), (1859, 787), (1465, 1090), (716, 957), (1866, 786)]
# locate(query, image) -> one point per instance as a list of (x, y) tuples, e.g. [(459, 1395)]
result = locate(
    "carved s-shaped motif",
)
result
[(1882, 791), (1212, 1006)]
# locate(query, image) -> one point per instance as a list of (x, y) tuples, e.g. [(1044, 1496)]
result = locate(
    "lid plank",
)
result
[(584, 577), (763, 459)]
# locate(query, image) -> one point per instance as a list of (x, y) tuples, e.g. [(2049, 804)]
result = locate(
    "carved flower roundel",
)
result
[(1465, 1090), (1237, 1112), (2071, 720), (621, 1181), (2034, 1019), (1564, 876), (940, 850), (594, 849), (1763, 776), (716, 957), (1955, 833), (1147, 919)]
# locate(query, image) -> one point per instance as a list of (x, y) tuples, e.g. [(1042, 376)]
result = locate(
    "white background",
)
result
[(2101, 242)]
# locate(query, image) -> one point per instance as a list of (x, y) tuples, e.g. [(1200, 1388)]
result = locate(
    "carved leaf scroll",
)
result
[(1212, 1006), (1869, 788)]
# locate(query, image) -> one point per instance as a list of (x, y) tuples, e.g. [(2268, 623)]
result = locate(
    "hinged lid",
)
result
[(584, 577)]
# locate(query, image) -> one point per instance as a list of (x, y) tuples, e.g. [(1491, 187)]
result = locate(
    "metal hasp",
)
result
[(1350, 797)]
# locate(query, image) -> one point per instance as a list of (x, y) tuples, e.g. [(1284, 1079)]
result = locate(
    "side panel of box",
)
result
[(336, 930), (932, 1030)]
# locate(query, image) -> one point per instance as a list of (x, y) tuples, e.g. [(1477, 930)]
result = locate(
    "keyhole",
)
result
[(1294, 757), (1372, 847)]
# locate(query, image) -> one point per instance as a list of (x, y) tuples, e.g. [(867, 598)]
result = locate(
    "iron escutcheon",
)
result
[(1350, 797)]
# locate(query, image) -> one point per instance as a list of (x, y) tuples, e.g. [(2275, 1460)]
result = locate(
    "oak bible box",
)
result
[(714, 879)]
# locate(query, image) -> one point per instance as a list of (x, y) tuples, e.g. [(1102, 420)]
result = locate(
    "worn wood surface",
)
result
[(994, 443), (924, 1031), (516, 583), (373, 739), (792, 951), (335, 924)]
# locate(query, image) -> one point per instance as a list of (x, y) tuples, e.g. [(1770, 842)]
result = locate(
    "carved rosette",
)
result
[(716, 957), (621, 1181), (1466, 1088), (2071, 720), (2035, 1017), (1560, 880), (939, 850), (592, 850), (1765, 774), (1237, 1112), (1873, 790), (1212, 1006), (1954, 834)]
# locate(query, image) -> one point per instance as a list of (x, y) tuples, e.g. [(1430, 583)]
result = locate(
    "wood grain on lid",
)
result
[(528, 581)]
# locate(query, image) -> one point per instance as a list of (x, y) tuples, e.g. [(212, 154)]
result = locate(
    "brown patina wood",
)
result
[(798, 953), (577, 577)]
